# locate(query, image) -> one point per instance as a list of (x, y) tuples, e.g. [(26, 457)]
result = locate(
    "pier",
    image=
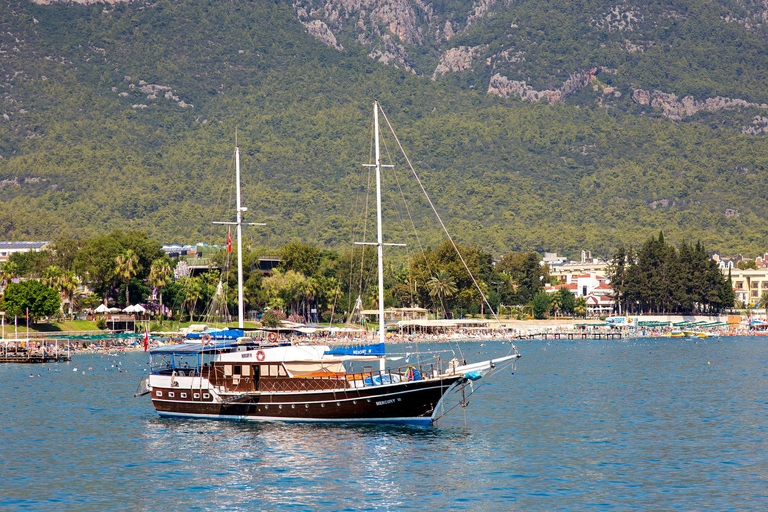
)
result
[(25, 351), (570, 335)]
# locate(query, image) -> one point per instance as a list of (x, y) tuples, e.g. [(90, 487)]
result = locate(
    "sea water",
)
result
[(638, 424)]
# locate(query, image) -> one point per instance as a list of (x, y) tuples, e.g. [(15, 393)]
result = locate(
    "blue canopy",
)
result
[(192, 348), (222, 334), (362, 350)]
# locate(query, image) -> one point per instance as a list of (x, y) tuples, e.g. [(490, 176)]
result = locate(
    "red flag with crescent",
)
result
[(229, 241)]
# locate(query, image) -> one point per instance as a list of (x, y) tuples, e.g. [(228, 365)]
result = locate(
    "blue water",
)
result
[(647, 424)]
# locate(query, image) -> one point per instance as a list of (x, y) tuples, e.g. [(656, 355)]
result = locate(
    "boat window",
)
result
[(227, 370), (246, 370), (171, 394), (236, 370)]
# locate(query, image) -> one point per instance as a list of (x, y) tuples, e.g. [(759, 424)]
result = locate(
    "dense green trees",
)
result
[(30, 297), (311, 284), (660, 279)]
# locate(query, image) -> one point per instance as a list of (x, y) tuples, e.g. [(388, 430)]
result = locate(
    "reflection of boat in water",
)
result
[(243, 379)]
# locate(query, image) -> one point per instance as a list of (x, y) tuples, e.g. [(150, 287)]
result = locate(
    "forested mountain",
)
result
[(536, 125)]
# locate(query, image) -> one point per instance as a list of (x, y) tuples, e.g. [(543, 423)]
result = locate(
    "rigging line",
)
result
[(365, 233), (431, 204), (355, 215)]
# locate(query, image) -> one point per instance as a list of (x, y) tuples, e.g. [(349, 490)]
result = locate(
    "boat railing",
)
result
[(355, 380)]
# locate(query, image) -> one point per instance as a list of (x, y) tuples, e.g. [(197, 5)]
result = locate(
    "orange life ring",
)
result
[(260, 355), (206, 339), (272, 336)]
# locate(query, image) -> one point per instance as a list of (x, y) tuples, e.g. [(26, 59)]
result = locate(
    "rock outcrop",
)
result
[(502, 86), (676, 109), (457, 59)]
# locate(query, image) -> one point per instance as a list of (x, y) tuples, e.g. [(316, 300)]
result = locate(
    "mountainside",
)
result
[(543, 125)]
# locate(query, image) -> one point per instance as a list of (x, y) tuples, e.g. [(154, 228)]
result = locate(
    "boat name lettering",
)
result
[(385, 402), (245, 356)]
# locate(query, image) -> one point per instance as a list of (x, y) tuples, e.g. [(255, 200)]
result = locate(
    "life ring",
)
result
[(260, 355), (272, 336), (206, 339)]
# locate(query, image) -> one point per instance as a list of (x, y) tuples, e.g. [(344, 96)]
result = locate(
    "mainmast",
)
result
[(239, 233), (379, 232)]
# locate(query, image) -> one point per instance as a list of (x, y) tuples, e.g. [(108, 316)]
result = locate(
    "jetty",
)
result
[(570, 335), (24, 351)]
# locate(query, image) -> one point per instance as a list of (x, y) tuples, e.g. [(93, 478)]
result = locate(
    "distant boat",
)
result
[(245, 380)]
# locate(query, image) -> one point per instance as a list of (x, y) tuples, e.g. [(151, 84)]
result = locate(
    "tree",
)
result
[(555, 302), (580, 308), (127, 266), (441, 286), (540, 305), (9, 271), (160, 275), (763, 303), (568, 301), (616, 272), (299, 258), (526, 271), (31, 297), (746, 264)]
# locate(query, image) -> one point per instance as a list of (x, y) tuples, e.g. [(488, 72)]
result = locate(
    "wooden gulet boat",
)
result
[(244, 379)]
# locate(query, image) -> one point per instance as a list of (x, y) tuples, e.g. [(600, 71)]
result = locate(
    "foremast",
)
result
[(239, 235)]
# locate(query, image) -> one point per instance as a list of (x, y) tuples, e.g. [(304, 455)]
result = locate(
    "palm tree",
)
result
[(442, 285), (193, 290), (127, 266), (67, 284), (8, 271), (556, 301), (159, 277), (51, 276), (63, 282), (763, 303), (581, 307)]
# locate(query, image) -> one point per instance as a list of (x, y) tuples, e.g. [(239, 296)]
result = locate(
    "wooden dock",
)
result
[(34, 358), (573, 335), (31, 351)]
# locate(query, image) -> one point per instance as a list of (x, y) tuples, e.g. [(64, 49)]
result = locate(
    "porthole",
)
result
[(183, 395), (159, 393), (197, 395), (171, 394), (206, 396)]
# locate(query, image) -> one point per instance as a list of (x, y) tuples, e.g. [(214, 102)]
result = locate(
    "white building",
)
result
[(9, 248)]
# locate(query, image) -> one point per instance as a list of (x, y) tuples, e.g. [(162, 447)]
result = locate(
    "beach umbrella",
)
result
[(114, 310), (101, 309)]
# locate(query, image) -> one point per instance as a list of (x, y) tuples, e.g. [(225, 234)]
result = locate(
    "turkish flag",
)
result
[(229, 241), (146, 339)]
